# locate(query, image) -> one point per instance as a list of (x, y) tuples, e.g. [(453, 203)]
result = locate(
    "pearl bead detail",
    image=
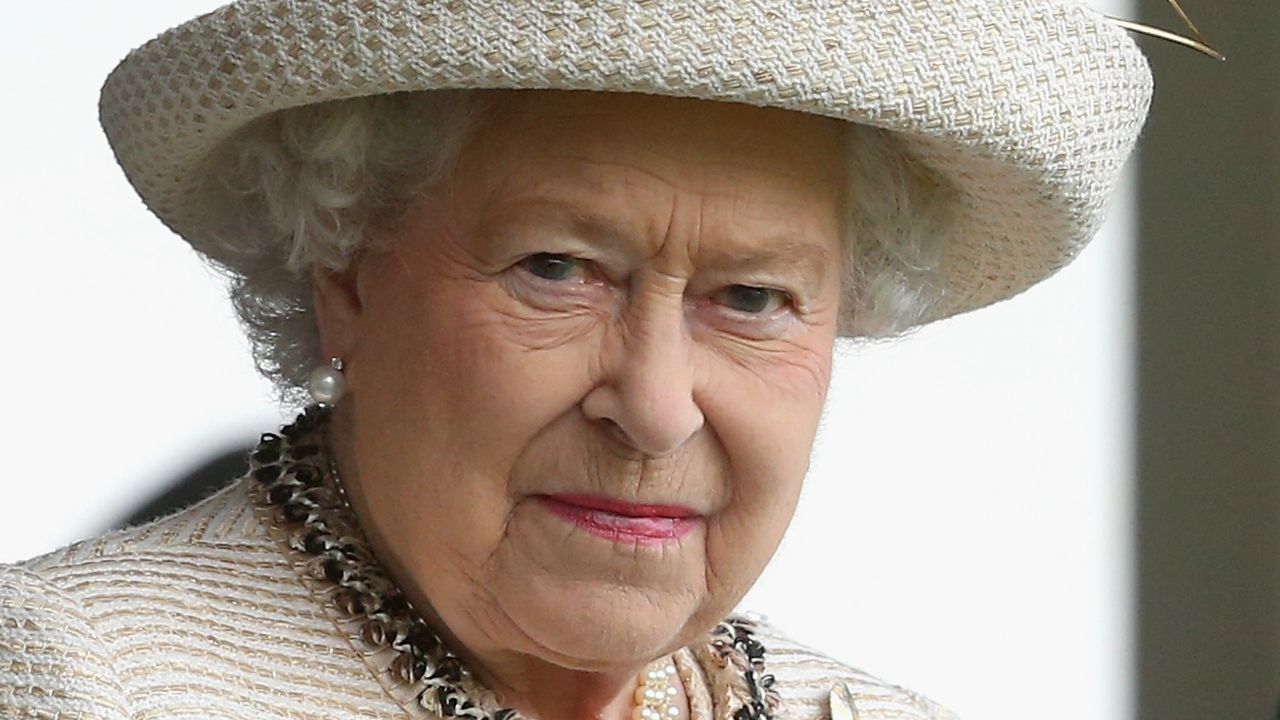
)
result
[(656, 694), (327, 383)]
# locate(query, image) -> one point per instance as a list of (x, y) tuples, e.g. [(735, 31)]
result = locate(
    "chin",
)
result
[(589, 603), (596, 626)]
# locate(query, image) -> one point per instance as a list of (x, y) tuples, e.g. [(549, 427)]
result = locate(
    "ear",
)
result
[(338, 310)]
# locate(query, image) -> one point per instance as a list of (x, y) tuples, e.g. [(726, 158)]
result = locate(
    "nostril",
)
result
[(616, 432)]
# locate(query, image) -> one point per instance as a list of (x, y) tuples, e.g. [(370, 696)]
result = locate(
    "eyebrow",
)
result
[(601, 230), (807, 261)]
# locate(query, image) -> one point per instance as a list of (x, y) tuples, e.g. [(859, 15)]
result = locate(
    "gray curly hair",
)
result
[(315, 185)]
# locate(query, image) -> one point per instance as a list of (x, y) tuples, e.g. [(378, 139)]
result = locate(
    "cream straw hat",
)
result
[(1028, 107)]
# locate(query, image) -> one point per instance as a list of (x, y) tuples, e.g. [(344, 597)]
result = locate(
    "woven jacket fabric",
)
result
[(203, 615)]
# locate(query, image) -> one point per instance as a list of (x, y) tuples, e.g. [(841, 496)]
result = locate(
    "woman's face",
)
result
[(585, 376)]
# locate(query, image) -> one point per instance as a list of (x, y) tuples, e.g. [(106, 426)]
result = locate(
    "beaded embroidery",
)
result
[(293, 481)]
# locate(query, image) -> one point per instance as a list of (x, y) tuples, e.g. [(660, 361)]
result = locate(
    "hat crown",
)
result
[(1029, 108)]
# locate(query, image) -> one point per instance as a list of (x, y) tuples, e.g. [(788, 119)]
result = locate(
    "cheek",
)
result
[(765, 405), (511, 376), (767, 432), (765, 414), (470, 375), (447, 395)]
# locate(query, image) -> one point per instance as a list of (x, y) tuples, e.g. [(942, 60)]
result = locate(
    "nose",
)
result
[(646, 396)]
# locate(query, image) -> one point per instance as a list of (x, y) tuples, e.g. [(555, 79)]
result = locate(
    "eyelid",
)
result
[(583, 266), (787, 299)]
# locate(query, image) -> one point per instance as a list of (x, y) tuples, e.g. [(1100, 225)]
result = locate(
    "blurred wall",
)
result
[(1209, 371)]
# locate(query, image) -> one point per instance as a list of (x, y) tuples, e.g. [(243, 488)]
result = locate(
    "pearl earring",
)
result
[(327, 383)]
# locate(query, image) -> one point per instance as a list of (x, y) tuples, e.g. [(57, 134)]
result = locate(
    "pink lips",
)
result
[(622, 521)]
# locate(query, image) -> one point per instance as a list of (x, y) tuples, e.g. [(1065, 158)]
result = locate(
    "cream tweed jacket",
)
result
[(203, 615)]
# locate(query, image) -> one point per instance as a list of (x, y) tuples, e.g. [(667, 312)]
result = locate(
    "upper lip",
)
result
[(624, 507)]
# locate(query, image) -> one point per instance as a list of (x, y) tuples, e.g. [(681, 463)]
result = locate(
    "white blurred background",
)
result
[(966, 530)]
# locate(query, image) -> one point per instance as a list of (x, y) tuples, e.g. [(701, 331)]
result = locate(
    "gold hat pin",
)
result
[(1199, 43)]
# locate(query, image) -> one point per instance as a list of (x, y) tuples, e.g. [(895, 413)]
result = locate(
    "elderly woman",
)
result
[(563, 281)]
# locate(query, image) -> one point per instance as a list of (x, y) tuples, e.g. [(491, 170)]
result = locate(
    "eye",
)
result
[(752, 300), (551, 266)]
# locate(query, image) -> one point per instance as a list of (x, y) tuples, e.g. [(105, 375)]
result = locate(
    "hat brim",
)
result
[(1028, 108)]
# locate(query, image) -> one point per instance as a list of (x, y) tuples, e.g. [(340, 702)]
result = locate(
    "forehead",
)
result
[(629, 163)]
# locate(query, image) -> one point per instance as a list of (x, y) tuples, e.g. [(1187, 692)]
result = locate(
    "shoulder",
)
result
[(52, 662), (806, 680), (81, 625), (225, 520), (207, 612), (219, 543)]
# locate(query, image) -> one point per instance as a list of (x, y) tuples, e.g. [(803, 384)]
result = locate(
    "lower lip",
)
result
[(642, 530)]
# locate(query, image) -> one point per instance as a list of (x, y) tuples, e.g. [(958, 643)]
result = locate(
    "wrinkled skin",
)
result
[(574, 311)]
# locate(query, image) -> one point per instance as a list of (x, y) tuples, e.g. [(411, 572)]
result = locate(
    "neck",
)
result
[(549, 692)]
